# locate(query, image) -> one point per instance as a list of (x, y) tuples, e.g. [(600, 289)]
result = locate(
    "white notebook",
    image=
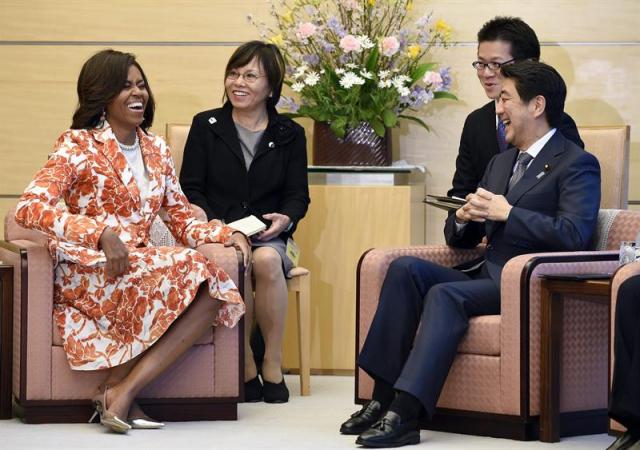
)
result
[(249, 225)]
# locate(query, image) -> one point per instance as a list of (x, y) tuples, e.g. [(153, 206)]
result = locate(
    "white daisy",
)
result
[(349, 79), (297, 87), (312, 79)]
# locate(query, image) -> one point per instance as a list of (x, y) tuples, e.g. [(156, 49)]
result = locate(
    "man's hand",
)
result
[(116, 253), (483, 205), (472, 211), (279, 222), (496, 206), (239, 241)]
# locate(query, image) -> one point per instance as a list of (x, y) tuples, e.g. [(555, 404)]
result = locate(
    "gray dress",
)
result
[(249, 143)]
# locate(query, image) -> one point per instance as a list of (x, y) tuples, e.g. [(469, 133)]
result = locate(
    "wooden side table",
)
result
[(552, 295), (6, 339)]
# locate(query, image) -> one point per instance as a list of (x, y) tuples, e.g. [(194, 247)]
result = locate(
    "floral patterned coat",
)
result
[(87, 185)]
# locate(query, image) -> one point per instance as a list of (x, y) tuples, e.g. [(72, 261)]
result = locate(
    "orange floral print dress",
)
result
[(87, 185)]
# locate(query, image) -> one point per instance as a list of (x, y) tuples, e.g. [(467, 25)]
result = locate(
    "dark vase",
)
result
[(361, 146)]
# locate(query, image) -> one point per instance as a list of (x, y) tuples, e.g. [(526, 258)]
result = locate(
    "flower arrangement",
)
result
[(354, 61)]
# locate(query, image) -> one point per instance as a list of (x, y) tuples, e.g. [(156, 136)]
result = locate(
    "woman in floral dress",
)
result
[(120, 304)]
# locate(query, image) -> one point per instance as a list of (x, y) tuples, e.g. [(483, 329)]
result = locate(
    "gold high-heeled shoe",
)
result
[(142, 421), (145, 423), (109, 420)]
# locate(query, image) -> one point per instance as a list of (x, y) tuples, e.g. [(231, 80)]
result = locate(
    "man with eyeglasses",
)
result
[(502, 40)]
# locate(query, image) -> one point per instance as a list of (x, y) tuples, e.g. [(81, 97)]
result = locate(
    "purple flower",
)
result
[(445, 73), (312, 60), (288, 104), (403, 36), (333, 23), (423, 38), (328, 47)]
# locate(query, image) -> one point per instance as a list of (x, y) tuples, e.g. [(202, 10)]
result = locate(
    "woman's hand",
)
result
[(279, 222), (239, 241), (116, 253)]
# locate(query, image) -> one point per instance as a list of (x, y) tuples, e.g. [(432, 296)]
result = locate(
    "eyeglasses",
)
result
[(249, 77), (492, 66)]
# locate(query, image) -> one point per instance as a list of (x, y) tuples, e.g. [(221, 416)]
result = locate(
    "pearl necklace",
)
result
[(129, 148)]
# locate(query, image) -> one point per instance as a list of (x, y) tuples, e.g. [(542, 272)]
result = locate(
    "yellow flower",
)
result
[(277, 39), (372, 2), (443, 28), (413, 51), (409, 5), (288, 16)]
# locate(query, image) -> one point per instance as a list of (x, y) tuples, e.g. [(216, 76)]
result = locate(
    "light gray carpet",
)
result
[(303, 423)]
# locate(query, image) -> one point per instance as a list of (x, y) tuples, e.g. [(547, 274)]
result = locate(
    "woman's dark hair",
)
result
[(533, 78), (269, 56), (101, 79), (513, 30)]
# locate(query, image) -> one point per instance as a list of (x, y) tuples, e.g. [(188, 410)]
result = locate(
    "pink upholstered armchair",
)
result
[(493, 387), (623, 274), (203, 385)]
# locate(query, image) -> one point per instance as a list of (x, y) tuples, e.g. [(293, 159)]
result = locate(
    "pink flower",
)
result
[(434, 79), (389, 46), (306, 30), (350, 43), (350, 5)]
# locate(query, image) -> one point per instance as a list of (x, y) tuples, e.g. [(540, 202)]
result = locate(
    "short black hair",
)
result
[(523, 40), (533, 78), (269, 56), (101, 79)]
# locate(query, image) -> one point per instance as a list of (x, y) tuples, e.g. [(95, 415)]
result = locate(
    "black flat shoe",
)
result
[(362, 420), (253, 390), (390, 431), (275, 392), (625, 441)]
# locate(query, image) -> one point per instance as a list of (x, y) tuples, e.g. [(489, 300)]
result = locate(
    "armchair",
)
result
[(205, 384), (624, 273), (493, 387)]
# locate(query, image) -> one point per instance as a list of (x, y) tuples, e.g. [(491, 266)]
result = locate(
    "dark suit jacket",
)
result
[(555, 205), (214, 174), (479, 143)]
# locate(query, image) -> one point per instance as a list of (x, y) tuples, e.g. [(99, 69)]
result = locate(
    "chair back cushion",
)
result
[(611, 146), (625, 227), (176, 139)]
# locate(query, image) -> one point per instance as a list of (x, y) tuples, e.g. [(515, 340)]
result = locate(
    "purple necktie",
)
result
[(502, 136)]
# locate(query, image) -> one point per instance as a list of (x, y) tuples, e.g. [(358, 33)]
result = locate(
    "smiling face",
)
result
[(126, 111), (247, 96), (492, 51), (518, 116)]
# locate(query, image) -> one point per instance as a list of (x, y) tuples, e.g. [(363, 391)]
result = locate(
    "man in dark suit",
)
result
[(542, 194), (625, 391), (502, 40)]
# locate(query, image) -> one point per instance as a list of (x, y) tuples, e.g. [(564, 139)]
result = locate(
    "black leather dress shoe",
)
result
[(390, 431), (362, 420), (624, 442)]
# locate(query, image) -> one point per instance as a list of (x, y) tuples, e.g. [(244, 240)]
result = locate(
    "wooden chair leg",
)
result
[(304, 333)]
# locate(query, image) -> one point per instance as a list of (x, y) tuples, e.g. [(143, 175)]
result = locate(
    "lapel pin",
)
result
[(547, 168), (540, 175), (212, 120), (271, 145)]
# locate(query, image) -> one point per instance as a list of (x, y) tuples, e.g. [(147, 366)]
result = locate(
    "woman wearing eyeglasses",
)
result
[(246, 159)]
